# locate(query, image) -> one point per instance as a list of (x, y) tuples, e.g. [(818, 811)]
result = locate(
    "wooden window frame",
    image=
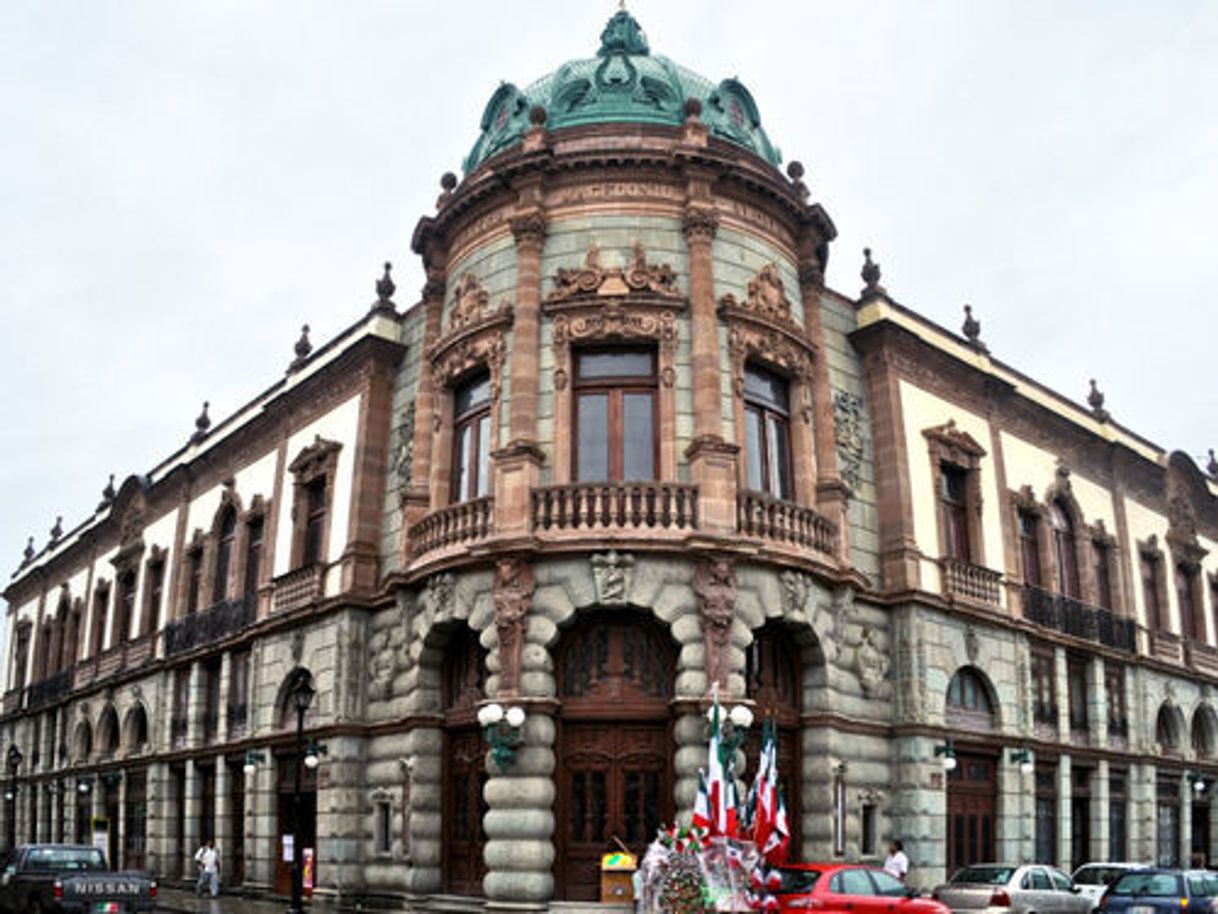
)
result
[(1044, 712), (1186, 576), (223, 564), (1152, 578), (950, 447), (616, 387), (20, 666), (99, 618), (1103, 554), (1064, 542), (156, 569), (1078, 673), (766, 410), (257, 516), (317, 462), (1030, 545), (472, 418), (193, 565), (1114, 685)]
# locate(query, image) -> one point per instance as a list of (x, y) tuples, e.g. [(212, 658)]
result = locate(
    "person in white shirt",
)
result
[(208, 861), (896, 863)]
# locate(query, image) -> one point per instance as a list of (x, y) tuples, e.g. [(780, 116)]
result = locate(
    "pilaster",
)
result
[(1101, 839), (192, 809), (222, 735), (1065, 793), (224, 817), (416, 500)]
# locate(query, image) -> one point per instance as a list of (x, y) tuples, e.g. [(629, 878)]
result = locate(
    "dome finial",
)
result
[(623, 35)]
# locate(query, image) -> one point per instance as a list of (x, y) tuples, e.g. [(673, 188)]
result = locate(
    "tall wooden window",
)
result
[(1101, 556), (615, 410), (101, 612), (767, 432), (72, 638), (211, 699), (463, 679), (1064, 556), (21, 652), (238, 691), (224, 554), (472, 439), (1029, 547), (1186, 597), (1076, 679), (253, 555), (125, 608), (1044, 693), (194, 578), (1114, 688), (953, 511), (179, 724), (315, 520), (1046, 817), (154, 582), (1151, 581)]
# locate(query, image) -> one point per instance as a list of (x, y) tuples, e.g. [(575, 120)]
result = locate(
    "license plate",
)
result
[(107, 907), (1141, 909)]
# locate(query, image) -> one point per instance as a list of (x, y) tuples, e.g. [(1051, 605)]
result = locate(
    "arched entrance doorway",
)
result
[(972, 785), (614, 744), (774, 681), (463, 686)]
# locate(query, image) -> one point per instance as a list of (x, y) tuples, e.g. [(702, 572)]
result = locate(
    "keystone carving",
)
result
[(715, 586), (611, 572), (615, 320), (469, 302), (637, 277), (513, 595), (795, 586)]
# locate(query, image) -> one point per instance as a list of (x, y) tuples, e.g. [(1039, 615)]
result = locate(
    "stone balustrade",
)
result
[(615, 507), (972, 582), (766, 517), (297, 588), (463, 523)]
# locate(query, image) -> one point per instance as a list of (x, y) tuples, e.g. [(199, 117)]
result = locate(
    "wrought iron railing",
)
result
[(215, 623), (766, 517), (615, 507), (49, 689), (463, 523), (1074, 617), (974, 582)]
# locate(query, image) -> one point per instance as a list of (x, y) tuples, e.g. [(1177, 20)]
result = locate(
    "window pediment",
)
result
[(616, 320), (473, 339), (314, 460), (952, 445)]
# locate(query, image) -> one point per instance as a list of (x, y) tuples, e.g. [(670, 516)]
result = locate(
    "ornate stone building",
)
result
[(626, 447)]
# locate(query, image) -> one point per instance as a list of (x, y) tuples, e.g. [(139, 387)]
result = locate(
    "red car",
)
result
[(842, 887)]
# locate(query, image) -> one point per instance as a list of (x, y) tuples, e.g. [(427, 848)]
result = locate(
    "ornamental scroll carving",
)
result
[(615, 321), (715, 586), (474, 338), (848, 432), (762, 328), (513, 595), (638, 276)]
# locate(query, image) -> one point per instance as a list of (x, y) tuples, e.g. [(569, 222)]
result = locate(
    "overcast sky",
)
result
[(182, 185)]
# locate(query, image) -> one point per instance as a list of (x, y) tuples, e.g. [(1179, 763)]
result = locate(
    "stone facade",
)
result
[(849, 518)]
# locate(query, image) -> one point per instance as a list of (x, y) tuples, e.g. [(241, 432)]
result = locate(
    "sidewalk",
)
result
[(184, 900)]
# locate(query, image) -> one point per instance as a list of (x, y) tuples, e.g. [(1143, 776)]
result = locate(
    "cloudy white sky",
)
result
[(183, 184)]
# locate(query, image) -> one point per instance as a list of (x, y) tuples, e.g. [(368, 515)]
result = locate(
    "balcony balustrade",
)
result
[(615, 507), (1074, 617), (765, 517), (297, 588), (213, 624), (972, 582), (463, 523)]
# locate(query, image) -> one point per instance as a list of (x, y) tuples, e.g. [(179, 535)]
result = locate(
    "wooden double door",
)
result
[(972, 818)]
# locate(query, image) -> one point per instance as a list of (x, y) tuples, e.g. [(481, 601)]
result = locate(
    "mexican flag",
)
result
[(770, 830), (718, 784)]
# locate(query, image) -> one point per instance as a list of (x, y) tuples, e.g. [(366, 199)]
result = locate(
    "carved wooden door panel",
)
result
[(972, 817), (464, 841), (614, 782)]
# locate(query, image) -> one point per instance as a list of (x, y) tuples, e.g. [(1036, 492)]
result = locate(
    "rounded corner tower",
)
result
[(623, 435)]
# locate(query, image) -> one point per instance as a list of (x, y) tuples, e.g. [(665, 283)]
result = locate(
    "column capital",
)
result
[(700, 223), (529, 229), (435, 284)]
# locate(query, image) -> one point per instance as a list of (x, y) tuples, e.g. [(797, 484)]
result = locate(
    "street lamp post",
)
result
[(301, 694), (14, 762)]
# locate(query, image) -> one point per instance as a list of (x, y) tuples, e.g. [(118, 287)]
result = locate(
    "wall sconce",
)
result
[(1023, 758), (504, 731), (734, 727), (313, 750), (252, 758), (10, 792), (84, 784), (1196, 780), (948, 751)]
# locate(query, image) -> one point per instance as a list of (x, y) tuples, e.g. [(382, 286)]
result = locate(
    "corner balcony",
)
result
[(1074, 617), (974, 583), (462, 524), (574, 510), (213, 624), (782, 522)]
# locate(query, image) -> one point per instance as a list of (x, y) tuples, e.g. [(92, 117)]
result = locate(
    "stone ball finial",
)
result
[(795, 169), (302, 348), (385, 289), (693, 108), (538, 115), (57, 530), (871, 275), (202, 424), (448, 181), (972, 329), (108, 494), (28, 554)]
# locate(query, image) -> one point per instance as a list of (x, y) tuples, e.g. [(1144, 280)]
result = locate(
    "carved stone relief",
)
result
[(715, 586), (513, 595), (766, 296), (437, 597), (473, 338), (404, 463), (613, 321), (840, 610), (386, 658), (638, 276), (972, 644), (611, 573), (795, 586), (469, 302), (870, 663), (848, 430)]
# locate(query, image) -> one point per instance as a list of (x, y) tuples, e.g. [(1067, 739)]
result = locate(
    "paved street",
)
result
[(177, 900)]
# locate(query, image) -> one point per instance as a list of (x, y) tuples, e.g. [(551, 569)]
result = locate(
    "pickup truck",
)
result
[(69, 879)]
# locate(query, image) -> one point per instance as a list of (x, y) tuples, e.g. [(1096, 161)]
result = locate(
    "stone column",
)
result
[(1142, 812), (1097, 707), (1061, 691), (119, 826), (192, 808), (224, 817), (712, 460), (416, 500), (1213, 848), (158, 821), (262, 836), (1184, 838), (1065, 793), (226, 661), (194, 706), (340, 819), (1016, 811), (832, 493), (1101, 839)]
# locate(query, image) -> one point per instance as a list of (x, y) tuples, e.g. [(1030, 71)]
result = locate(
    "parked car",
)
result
[(1000, 889), (69, 879), (1159, 890), (1093, 879), (842, 887)]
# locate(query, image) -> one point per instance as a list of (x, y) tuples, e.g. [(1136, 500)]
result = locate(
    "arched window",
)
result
[(1063, 549), (107, 733), (1167, 733), (1205, 735), (83, 743), (224, 554), (968, 700), (137, 729)]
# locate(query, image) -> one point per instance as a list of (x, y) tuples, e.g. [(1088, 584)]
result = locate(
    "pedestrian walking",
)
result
[(207, 859), (896, 863)]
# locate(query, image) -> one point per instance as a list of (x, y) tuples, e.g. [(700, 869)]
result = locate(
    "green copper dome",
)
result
[(623, 83)]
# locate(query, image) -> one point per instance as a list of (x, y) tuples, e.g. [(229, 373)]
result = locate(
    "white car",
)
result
[(1093, 879)]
